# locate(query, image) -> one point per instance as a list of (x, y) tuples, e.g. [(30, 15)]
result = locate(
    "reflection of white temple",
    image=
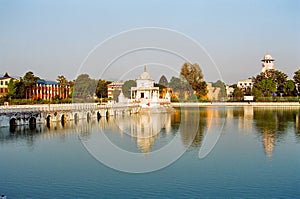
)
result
[(145, 127), (145, 93)]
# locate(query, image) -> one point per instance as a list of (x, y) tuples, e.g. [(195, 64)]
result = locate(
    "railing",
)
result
[(62, 107)]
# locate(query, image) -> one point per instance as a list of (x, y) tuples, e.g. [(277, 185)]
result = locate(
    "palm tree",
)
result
[(62, 82)]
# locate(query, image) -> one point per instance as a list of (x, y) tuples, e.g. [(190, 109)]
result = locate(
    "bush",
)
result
[(277, 99)]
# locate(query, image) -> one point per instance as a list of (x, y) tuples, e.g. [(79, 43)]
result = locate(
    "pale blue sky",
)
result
[(53, 37)]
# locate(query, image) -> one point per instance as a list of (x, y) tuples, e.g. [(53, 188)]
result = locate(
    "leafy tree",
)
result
[(11, 89), (178, 86), (116, 94), (163, 81), (222, 94), (238, 94), (278, 77), (84, 87), (201, 89), (192, 74), (269, 82), (256, 92), (101, 90), (62, 82), (126, 88), (289, 87), (160, 86), (297, 78), (247, 90), (30, 82), (267, 87)]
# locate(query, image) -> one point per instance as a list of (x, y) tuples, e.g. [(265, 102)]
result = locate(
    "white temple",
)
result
[(267, 63), (145, 93)]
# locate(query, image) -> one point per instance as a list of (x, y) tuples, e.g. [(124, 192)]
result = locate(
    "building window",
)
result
[(6, 82), (1, 82)]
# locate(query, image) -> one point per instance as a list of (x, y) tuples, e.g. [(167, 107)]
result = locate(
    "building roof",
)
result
[(6, 76), (267, 57), (46, 82)]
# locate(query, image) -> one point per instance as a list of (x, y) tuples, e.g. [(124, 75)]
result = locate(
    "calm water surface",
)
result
[(256, 156)]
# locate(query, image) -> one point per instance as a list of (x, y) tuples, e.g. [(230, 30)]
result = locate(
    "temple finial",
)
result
[(145, 69)]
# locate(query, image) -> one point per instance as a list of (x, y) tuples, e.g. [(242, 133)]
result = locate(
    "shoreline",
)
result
[(254, 104)]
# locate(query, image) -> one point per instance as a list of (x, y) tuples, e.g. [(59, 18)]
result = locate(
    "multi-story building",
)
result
[(112, 87), (4, 81), (48, 90), (247, 83)]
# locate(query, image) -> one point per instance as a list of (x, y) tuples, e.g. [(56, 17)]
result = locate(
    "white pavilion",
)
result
[(145, 93)]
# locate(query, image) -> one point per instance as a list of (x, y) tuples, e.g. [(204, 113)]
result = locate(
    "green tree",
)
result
[(163, 81), (101, 90), (179, 86), (297, 79), (116, 94), (237, 94), (267, 87), (256, 92), (11, 89), (192, 74), (278, 77), (84, 87), (30, 83), (160, 86), (126, 88), (289, 87), (62, 82), (276, 81), (222, 94)]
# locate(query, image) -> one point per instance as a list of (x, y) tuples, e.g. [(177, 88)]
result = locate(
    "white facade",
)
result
[(145, 90), (112, 87), (147, 95), (245, 83), (267, 63)]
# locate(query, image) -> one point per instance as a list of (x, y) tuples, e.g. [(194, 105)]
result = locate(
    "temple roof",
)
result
[(267, 57), (145, 75)]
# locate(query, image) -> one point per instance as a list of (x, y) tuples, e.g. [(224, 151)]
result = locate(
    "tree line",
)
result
[(271, 83), (189, 86)]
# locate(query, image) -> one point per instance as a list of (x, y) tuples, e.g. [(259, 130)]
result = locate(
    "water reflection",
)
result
[(273, 125), (149, 132), (143, 128)]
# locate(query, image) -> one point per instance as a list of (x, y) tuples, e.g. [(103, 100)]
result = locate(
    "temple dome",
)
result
[(267, 57), (145, 75)]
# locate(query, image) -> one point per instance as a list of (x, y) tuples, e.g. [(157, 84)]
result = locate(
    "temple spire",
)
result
[(145, 69)]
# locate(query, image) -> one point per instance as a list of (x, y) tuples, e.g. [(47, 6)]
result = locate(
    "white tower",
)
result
[(267, 63)]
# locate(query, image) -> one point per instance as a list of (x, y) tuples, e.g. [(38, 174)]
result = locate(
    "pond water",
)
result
[(210, 152)]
